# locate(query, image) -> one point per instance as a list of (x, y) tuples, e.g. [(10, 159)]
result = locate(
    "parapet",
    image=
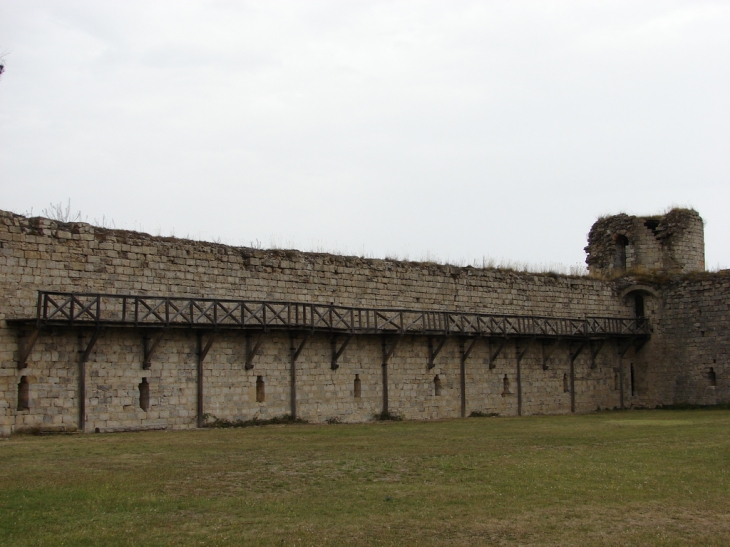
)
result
[(672, 243)]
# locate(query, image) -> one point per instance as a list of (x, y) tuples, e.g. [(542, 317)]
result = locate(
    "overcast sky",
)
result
[(455, 130)]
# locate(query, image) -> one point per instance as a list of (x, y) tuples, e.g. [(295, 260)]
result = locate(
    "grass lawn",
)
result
[(613, 478)]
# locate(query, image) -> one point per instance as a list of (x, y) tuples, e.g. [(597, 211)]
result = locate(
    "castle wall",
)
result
[(694, 336), (41, 254)]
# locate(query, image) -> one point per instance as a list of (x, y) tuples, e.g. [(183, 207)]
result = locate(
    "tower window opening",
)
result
[(566, 384), (437, 385), (652, 224), (615, 381), (505, 385), (357, 387), (23, 394), (712, 377), (620, 259), (260, 389), (639, 306), (144, 395)]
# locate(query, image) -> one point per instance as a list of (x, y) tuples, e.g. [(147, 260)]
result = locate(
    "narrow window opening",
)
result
[(566, 384), (632, 380), (505, 385), (358, 386), (144, 395), (437, 385), (260, 389), (615, 381), (620, 258), (712, 377), (652, 224), (23, 394), (639, 306)]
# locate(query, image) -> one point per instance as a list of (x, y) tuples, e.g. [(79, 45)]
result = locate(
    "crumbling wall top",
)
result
[(673, 242)]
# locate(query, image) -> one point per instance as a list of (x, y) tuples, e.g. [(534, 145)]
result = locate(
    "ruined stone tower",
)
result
[(673, 242)]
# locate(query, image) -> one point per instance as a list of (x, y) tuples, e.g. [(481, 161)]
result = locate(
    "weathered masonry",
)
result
[(104, 330)]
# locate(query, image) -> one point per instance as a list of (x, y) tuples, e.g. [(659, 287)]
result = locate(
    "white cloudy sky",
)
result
[(450, 129)]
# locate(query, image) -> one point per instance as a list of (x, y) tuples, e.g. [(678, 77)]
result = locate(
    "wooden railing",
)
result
[(62, 308)]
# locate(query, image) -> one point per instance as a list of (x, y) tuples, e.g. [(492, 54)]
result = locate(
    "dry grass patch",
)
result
[(623, 478)]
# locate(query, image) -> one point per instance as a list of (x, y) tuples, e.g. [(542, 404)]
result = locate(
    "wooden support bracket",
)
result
[(203, 350), (494, 354), (466, 349), (149, 345), (26, 341), (433, 352), (388, 349), (86, 352), (623, 348), (639, 343), (253, 347), (575, 353), (521, 349), (596, 346), (296, 350), (337, 351)]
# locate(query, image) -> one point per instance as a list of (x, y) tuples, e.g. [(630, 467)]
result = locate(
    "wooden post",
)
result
[(462, 378), (621, 379), (294, 352), (82, 395), (385, 377), (85, 353), (572, 382), (293, 381), (202, 352), (519, 384), (201, 419), (573, 356), (520, 353)]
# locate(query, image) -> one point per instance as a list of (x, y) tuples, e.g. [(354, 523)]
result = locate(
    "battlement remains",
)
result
[(673, 242)]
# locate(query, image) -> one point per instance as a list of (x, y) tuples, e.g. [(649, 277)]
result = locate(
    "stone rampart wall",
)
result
[(41, 254), (695, 331)]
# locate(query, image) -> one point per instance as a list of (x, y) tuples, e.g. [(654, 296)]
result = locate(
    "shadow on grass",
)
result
[(220, 423)]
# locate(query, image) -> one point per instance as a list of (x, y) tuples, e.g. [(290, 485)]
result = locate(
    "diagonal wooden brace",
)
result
[(296, 350), (337, 351), (639, 343), (433, 352), (494, 354), (86, 352), (388, 349), (252, 348), (521, 348), (149, 345), (575, 353), (596, 346), (466, 349), (623, 348), (204, 349), (26, 341)]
